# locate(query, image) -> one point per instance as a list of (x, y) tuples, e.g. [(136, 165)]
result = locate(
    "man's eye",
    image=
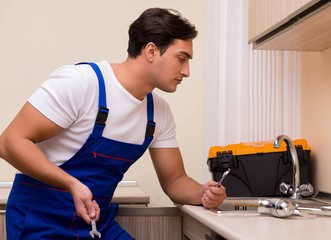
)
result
[(181, 59)]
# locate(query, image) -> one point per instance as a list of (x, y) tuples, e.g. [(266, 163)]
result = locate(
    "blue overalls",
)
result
[(36, 210)]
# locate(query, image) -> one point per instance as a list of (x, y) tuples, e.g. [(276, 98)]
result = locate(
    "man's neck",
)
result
[(132, 77)]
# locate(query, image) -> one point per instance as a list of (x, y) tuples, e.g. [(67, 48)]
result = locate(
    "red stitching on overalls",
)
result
[(95, 154), (71, 225), (50, 188)]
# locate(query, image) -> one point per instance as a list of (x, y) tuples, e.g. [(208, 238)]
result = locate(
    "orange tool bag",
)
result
[(257, 169)]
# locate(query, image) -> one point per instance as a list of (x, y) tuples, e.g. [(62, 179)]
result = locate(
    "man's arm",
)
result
[(17, 147), (178, 186)]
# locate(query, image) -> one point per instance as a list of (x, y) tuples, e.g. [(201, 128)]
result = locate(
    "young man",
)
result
[(88, 123)]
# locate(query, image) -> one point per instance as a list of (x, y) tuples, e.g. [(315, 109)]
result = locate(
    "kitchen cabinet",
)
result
[(267, 14), (194, 230), (161, 223), (2, 226), (2, 222), (301, 25)]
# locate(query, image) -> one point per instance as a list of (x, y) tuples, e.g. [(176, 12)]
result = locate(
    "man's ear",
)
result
[(150, 51)]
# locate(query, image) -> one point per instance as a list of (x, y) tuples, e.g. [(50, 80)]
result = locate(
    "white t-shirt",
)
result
[(70, 98)]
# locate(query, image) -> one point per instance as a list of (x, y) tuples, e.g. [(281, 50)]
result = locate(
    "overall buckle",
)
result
[(102, 116), (150, 128)]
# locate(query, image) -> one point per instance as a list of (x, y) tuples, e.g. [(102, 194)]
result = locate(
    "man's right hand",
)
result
[(86, 207)]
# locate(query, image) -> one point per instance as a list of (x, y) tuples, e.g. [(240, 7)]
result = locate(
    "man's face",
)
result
[(170, 68)]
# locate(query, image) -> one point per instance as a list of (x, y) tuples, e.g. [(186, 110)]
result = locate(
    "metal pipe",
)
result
[(295, 163)]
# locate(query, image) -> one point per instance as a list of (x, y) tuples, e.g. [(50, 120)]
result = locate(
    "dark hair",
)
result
[(160, 26)]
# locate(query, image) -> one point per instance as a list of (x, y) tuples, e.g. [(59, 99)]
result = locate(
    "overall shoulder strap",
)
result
[(101, 118), (150, 128)]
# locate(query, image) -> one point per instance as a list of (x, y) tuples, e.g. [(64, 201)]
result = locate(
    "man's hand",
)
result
[(213, 196), (85, 207)]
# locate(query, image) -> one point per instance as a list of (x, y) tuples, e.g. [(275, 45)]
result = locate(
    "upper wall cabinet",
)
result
[(303, 25)]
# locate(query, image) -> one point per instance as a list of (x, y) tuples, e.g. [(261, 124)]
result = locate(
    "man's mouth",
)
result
[(179, 80)]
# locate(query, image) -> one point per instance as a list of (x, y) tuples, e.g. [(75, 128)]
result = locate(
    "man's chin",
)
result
[(169, 90)]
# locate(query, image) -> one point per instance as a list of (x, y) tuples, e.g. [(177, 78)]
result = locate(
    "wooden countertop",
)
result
[(127, 192)]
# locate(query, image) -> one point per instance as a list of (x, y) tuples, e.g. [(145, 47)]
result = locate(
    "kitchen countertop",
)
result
[(250, 225), (127, 192)]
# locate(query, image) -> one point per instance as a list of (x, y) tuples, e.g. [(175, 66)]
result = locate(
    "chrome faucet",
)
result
[(295, 162)]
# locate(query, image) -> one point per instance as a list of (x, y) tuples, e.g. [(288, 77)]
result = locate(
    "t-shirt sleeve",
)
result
[(60, 97), (166, 135)]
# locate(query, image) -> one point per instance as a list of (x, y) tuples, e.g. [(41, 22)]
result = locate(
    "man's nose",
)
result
[(186, 70)]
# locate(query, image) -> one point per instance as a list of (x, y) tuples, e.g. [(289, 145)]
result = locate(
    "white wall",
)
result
[(316, 114), (39, 35), (250, 95)]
